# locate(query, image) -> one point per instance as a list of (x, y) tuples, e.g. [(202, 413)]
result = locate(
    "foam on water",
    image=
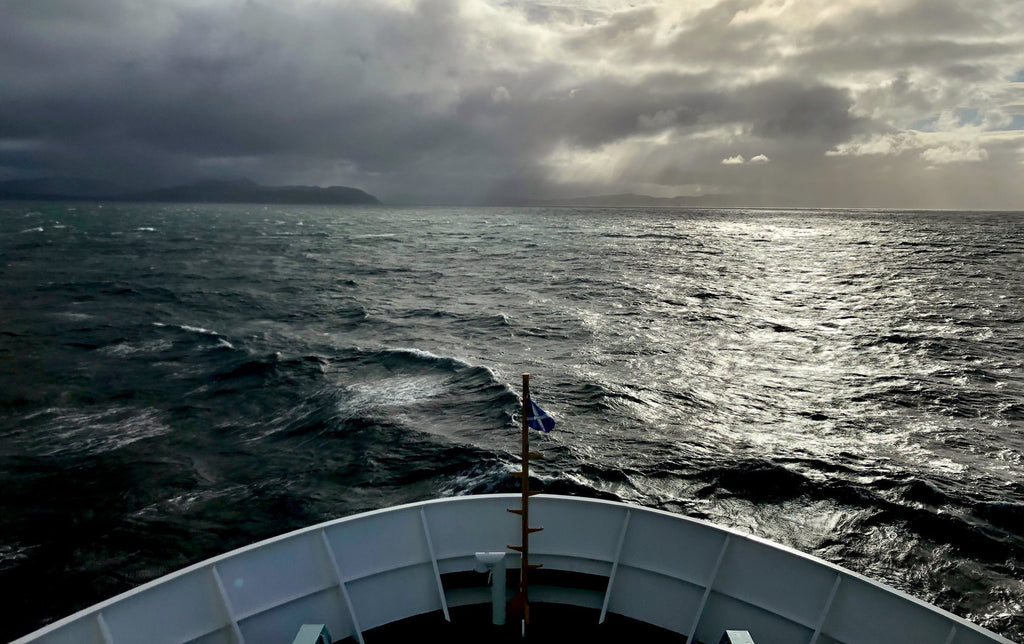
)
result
[(847, 383), (391, 392)]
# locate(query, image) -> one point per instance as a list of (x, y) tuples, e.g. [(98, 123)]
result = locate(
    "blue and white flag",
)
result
[(539, 419)]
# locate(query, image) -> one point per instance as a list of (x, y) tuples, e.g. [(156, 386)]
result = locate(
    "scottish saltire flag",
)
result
[(539, 419)]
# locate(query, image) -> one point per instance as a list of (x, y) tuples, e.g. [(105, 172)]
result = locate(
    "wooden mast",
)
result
[(522, 600)]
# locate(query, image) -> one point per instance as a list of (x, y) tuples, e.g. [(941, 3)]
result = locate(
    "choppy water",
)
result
[(176, 381)]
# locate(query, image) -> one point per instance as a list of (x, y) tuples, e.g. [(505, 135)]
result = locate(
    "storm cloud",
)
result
[(909, 103)]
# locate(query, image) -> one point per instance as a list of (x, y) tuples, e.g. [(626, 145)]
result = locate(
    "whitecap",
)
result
[(185, 502), (419, 353), (197, 329), (73, 315), (392, 392), (130, 348), (488, 478), (12, 554), (188, 327)]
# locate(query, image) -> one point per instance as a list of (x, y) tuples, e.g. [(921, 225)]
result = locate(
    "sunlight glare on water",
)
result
[(187, 379)]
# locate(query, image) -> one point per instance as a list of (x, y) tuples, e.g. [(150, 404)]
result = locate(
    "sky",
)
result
[(806, 103)]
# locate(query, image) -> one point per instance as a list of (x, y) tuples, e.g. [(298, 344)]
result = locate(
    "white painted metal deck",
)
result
[(360, 572)]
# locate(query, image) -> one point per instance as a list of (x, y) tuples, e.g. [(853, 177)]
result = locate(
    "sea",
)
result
[(178, 380)]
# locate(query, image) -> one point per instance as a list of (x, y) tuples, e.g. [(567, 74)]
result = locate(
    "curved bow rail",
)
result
[(371, 569)]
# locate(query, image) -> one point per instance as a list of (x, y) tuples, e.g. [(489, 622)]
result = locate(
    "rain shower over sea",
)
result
[(180, 380)]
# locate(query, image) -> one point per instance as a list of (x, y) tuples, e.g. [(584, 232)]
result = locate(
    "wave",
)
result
[(942, 394), (61, 431), (313, 376), (374, 389), (149, 347), (982, 530), (492, 476), (488, 476), (469, 323)]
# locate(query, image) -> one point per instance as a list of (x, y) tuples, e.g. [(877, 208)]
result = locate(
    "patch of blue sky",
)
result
[(967, 116), (1018, 77), (925, 125), (964, 117), (1016, 123)]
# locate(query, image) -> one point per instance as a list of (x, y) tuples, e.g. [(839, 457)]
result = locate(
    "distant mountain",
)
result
[(246, 191), (634, 200), (239, 191)]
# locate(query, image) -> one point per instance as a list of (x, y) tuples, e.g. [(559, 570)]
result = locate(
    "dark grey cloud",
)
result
[(464, 100), (221, 82)]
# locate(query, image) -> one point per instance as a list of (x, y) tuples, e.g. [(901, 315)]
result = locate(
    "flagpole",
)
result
[(523, 583), (523, 598)]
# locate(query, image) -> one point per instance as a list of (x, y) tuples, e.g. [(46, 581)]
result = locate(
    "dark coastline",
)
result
[(240, 191)]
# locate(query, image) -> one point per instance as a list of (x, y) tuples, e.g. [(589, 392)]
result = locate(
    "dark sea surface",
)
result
[(180, 380)]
